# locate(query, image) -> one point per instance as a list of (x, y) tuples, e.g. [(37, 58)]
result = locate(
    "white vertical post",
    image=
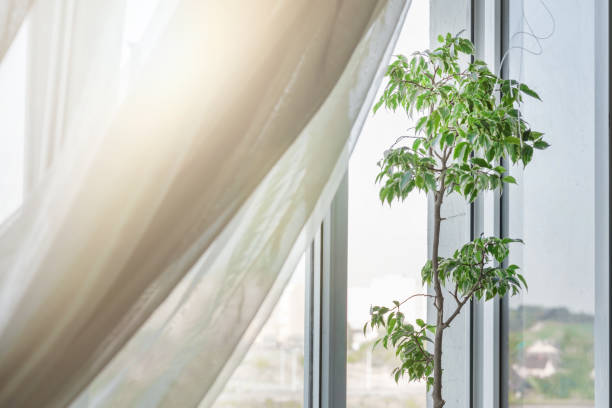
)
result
[(312, 325), (486, 359), (333, 301), (325, 326), (452, 16)]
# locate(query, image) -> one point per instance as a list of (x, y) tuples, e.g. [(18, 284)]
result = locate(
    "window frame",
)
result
[(326, 308), (603, 248), (485, 333), (486, 323), (490, 23)]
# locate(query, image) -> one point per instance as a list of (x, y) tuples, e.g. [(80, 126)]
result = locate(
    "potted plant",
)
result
[(469, 125)]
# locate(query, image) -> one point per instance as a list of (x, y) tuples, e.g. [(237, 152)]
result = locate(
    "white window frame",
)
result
[(489, 330), (326, 309), (486, 323)]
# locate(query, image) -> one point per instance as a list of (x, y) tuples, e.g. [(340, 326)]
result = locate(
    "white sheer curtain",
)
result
[(168, 220), (68, 61), (12, 14)]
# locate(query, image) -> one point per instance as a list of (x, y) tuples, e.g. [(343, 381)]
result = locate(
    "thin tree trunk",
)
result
[(438, 402)]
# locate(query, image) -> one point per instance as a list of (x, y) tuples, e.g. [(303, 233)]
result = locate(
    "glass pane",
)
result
[(272, 372), (551, 325), (387, 246)]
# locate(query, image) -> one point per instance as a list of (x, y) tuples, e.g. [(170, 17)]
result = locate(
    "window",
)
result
[(387, 246), (550, 346), (272, 372), (551, 326)]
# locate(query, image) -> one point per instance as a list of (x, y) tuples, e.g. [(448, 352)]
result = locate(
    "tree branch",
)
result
[(469, 295), (427, 88), (416, 340), (454, 294), (405, 137), (410, 297), (460, 306)]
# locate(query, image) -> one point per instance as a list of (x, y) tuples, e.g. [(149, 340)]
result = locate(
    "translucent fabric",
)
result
[(204, 328), (12, 95), (12, 14), (73, 75), (159, 233)]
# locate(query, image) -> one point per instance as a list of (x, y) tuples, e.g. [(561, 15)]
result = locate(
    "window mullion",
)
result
[(334, 302)]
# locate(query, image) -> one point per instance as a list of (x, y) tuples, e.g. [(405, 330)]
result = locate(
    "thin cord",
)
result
[(539, 51), (531, 33)]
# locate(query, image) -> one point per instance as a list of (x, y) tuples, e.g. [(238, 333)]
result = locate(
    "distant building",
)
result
[(541, 360)]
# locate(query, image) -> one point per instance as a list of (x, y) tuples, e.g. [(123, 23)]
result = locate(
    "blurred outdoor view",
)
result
[(387, 246), (551, 361), (551, 354), (272, 372)]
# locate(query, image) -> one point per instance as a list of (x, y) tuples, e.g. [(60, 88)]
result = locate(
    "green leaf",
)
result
[(509, 180), (416, 144), (528, 91), (420, 322), (420, 182), (420, 123), (468, 188), (527, 154), (378, 105), (481, 162), (466, 153), (449, 138), (512, 140), (382, 194), (430, 181), (522, 280), (405, 180), (541, 145), (458, 149)]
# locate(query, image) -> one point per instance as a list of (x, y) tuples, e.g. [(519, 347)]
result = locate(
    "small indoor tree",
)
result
[(468, 126)]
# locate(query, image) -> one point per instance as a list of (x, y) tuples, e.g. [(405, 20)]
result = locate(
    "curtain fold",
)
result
[(72, 80), (12, 14), (206, 325), (128, 209), (68, 59)]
